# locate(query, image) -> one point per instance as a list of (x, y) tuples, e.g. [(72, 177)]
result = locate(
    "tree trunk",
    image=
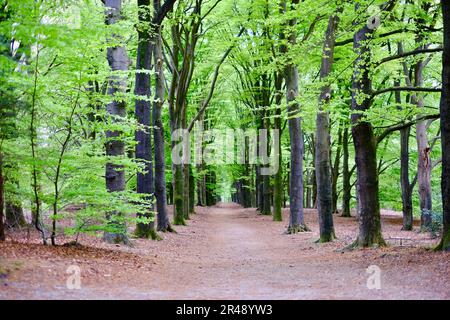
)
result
[(259, 188), (191, 191), (178, 187), (277, 181), (445, 129), (424, 159), (115, 146), (407, 206), (266, 188), (335, 171), (163, 223), (142, 91), (267, 196), (365, 146), (247, 187), (308, 189), (169, 188), (210, 184), (405, 185), (201, 186), (322, 142), (423, 148), (346, 185), (2, 224), (296, 219), (186, 192)]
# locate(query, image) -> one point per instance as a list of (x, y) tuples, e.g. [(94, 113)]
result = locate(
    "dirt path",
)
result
[(228, 252)]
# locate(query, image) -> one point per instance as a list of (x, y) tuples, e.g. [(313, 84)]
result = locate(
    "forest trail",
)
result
[(228, 252)]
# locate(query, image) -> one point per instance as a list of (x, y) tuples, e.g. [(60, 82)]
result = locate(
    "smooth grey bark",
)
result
[(424, 164), (296, 219), (424, 159), (163, 222), (115, 146), (445, 129), (322, 142)]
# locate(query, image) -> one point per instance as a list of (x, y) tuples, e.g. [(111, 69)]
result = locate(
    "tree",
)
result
[(158, 133), (148, 33), (115, 146), (296, 219), (365, 143), (2, 224), (445, 129), (322, 143), (142, 90)]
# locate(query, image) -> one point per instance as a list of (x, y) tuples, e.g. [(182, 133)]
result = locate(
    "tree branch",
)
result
[(407, 54), (162, 12), (415, 89), (213, 83), (401, 126)]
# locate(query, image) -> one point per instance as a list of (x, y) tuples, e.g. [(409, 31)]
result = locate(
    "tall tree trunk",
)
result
[(405, 185), (407, 206), (266, 188), (346, 185), (423, 148), (277, 181), (142, 91), (423, 161), (2, 224), (445, 129), (163, 223), (322, 142), (365, 146), (296, 219), (115, 146)]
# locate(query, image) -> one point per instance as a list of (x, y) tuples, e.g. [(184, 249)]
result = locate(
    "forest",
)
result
[(224, 149)]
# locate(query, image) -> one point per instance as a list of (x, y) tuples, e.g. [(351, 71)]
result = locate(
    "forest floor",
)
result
[(227, 252)]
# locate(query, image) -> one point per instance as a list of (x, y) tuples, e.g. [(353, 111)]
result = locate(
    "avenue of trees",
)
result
[(92, 93)]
